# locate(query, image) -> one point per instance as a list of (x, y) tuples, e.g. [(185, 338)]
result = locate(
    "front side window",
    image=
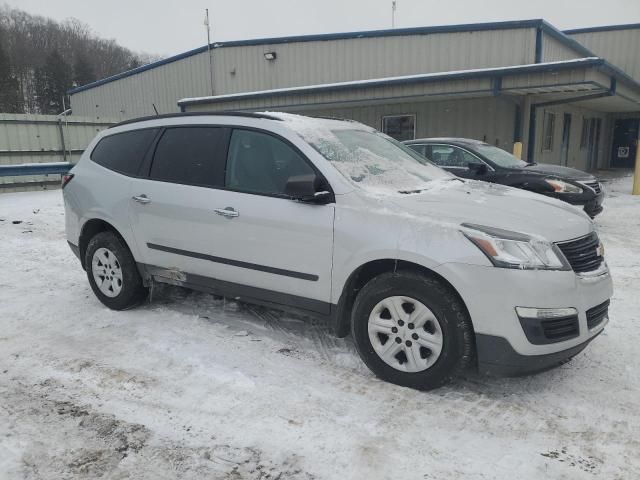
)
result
[(261, 163), (450, 156), (548, 129), (191, 156), (124, 152), (400, 127)]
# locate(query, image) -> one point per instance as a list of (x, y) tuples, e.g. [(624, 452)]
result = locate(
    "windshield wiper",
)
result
[(407, 192)]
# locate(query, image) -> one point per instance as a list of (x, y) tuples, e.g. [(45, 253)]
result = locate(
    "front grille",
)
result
[(582, 253), (594, 185), (541, 332), (597, 314)]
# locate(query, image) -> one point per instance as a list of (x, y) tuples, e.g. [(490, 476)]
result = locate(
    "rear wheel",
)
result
[(412, 330), (112, 272)]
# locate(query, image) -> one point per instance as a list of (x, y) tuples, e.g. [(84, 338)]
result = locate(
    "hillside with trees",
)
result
[(40, 59)]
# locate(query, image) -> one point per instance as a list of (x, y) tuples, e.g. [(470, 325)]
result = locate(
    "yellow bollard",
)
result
[(636, 173), (517, 150)]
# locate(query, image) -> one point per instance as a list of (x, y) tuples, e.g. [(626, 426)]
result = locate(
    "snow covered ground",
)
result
[(193, 386)]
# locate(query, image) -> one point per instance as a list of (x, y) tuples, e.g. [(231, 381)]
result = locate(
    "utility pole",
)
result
[(207, 25), (393, 14)]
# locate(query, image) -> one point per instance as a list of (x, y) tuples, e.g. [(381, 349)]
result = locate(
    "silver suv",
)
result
[(429, 272)]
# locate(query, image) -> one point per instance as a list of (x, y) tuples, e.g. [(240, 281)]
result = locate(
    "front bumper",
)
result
[(492, 294), (590, 202), (496, 356)]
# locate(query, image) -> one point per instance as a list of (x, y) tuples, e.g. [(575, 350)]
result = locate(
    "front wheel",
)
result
[(412, 330), (112, 272)]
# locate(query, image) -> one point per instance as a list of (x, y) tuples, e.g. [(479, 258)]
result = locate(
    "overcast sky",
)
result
[(165, 27)]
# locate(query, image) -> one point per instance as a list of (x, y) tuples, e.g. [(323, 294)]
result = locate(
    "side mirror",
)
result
[(477, 168), (307, 188)]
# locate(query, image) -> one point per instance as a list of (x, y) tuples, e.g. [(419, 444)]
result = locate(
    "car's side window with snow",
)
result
[(191, 156), (124, 152), (261, 163)]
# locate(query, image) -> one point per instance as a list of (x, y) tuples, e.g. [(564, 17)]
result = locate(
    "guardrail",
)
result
[(35, 169)]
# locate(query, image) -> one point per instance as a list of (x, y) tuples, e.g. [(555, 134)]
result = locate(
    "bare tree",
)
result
[(29, 41)]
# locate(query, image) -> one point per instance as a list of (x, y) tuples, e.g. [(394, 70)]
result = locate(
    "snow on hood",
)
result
[(481, 203)]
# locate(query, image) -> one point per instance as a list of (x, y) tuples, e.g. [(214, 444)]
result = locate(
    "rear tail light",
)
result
[(66, 179)]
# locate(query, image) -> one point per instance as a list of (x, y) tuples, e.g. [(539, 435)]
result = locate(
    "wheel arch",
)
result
[(90, 229), (366, 272)]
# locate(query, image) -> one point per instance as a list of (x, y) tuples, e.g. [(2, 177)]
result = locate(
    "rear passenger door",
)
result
[(171, 205)]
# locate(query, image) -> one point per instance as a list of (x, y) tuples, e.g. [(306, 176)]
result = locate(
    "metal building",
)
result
[(500, 82)]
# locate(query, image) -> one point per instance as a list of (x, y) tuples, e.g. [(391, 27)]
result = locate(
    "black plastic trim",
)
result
[(496, 356), (550, 330), (240, 292), (75, 249), (236, 263)]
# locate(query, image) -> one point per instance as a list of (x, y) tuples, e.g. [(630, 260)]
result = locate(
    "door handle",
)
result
[(143, 199), (228, 212)]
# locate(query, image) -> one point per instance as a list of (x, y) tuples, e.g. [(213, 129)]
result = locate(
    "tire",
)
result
[(119, 287), (446, 323)]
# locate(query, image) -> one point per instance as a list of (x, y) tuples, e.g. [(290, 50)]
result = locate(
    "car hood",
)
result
[(457, 201), (559, 171)]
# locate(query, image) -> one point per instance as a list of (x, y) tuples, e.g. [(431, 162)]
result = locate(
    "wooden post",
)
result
[(517, 150)]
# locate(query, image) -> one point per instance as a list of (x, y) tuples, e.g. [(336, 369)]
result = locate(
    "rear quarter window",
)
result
[(124, 152)]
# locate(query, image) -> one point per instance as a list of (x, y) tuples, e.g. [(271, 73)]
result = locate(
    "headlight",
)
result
[(563, 187), (508, 249)]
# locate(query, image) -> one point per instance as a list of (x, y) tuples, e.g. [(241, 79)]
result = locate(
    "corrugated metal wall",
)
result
[(39, 139), (244, 68), (620, 47), (489, 119), (553, 50)]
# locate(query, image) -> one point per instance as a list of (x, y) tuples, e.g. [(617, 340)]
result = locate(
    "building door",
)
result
[(566, 132), (625, 143)]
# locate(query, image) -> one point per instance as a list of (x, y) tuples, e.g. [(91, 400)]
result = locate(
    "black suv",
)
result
[(480, 161)]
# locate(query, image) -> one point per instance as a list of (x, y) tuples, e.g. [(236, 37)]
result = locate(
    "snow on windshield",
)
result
[(366, 157)]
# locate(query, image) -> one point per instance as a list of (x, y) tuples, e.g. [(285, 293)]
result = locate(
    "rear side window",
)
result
[(191, 156), (124, 152)]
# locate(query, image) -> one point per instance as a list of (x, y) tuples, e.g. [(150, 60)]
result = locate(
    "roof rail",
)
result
[(197, 114)]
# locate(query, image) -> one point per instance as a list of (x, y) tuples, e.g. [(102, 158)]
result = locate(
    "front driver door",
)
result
[(272, 242)]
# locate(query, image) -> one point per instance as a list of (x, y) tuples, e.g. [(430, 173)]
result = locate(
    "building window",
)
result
[(400, 127), (584, 137), (547, 131)]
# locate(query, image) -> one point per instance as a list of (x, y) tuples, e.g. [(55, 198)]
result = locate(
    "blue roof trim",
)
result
[(468, 27), (568, 41), (413, 79), (603, 28)]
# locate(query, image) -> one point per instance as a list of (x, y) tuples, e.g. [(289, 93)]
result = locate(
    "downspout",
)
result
[(531, 144)]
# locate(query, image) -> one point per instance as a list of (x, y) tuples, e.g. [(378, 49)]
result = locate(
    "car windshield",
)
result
[(372, 160), (499, 157)]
